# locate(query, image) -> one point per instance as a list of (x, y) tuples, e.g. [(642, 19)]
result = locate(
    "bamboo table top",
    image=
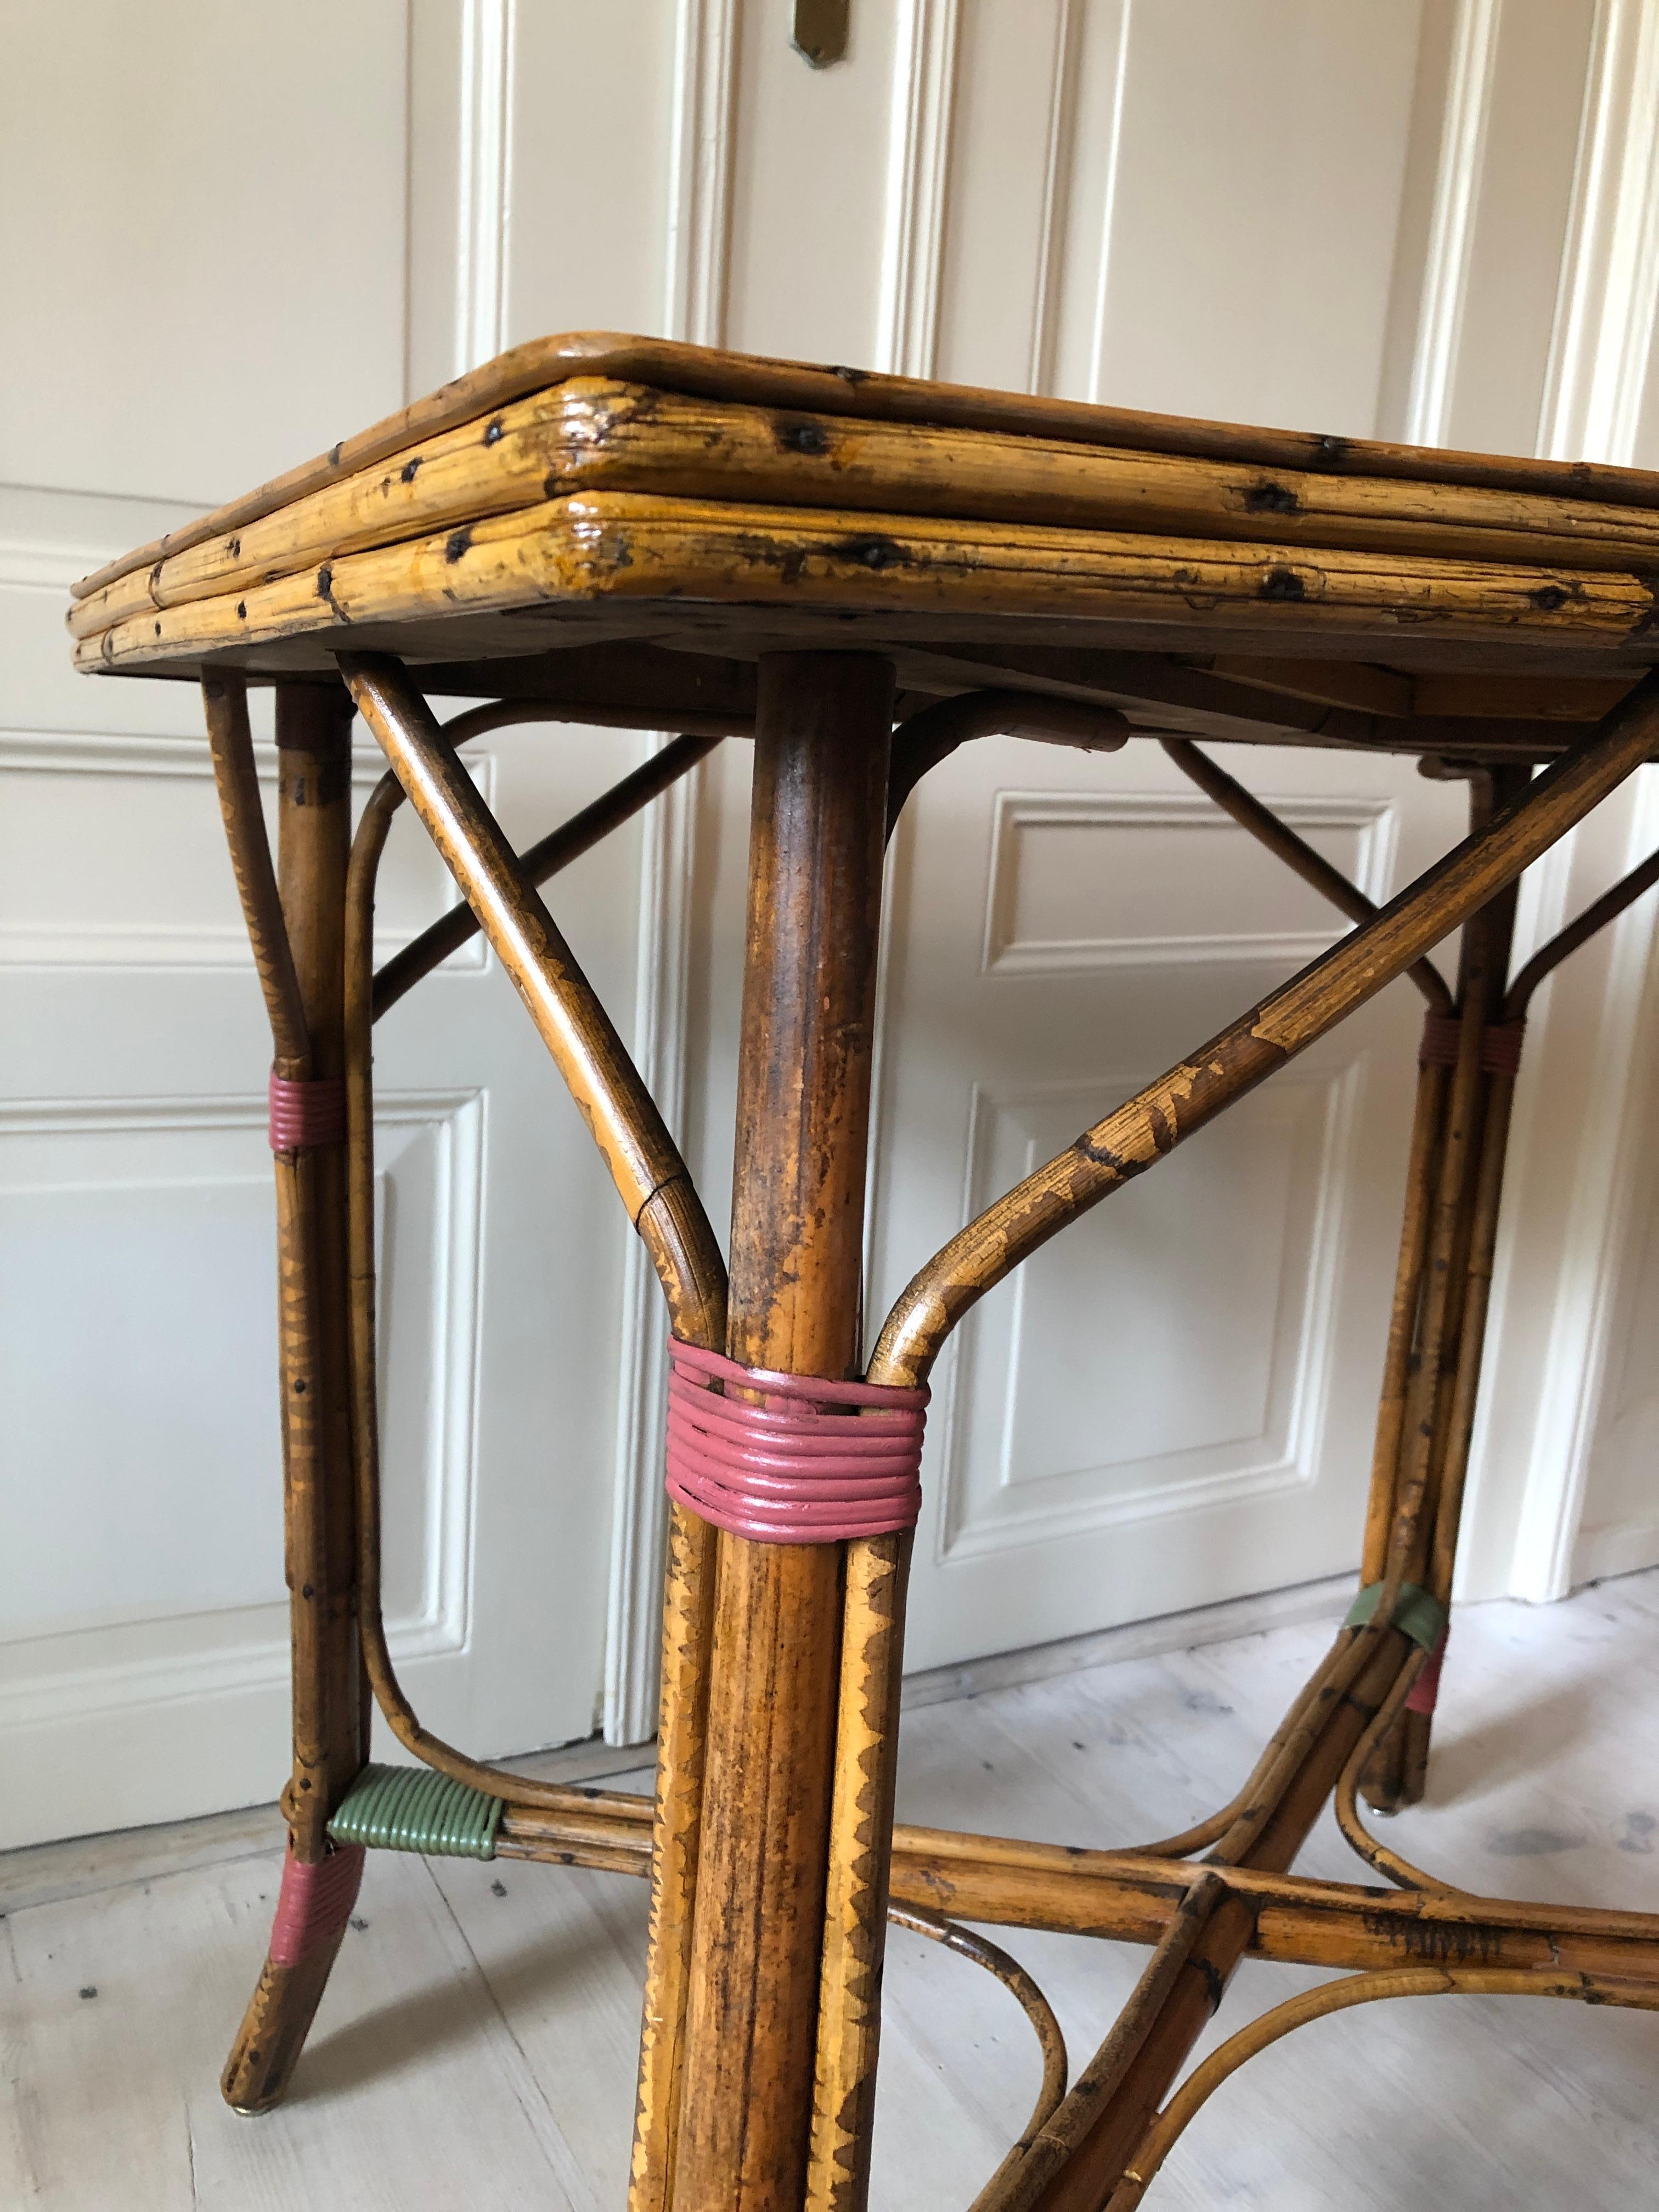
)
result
[(633, 522)]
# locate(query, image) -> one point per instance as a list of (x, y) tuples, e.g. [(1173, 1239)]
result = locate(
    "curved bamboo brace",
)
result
[(1263, 824), (501, 713), (543, 858), (225, 701), (923, 739), (1036, 2007), (1345, 1798), (1291, 1018), (1341, 1997), (1348, 1659), (1212, 1830), (366, 846), (643, 1160), (1595, 916), (868, 1690)]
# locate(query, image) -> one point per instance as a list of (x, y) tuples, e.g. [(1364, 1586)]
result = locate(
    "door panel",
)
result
[(221, 255), (1170, 1403)]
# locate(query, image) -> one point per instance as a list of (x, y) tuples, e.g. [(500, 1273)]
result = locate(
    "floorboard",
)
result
[(476, 2045)]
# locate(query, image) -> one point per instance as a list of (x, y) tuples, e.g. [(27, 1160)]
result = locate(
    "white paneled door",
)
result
[(229, 236), (1170, 1405)]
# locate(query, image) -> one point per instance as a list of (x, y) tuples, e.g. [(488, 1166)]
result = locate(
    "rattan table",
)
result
[(863, 572)]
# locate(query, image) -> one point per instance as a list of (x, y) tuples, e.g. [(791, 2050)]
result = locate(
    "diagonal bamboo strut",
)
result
[(556, 850), (362, 994), (1020, 2180), (642, 1158), (1263, 824), (1340, 1996), (1293, 1018)]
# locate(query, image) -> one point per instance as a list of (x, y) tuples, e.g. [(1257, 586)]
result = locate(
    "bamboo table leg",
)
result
[(820, 755), (329, 1719)]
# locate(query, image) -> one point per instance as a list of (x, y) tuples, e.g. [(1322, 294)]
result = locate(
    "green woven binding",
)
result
[(411, 1809), (1416, 1613)]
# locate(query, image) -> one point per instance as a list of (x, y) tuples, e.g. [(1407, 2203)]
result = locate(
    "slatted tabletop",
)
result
[(640, 521)]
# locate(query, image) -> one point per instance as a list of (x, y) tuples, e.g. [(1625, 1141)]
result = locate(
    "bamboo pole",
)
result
[(1018, 2184), (820, 769), (856, 1894), (1131, 1896), (1447, 1357), (307, 923)]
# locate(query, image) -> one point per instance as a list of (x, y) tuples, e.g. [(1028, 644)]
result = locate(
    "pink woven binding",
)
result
[(813, 1463), (1500, 1044), (1420, 1697), (314, 1903), (307, 1113)]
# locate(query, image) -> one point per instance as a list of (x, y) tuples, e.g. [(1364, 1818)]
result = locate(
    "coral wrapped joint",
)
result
[(307, 1113), (314, 1904), (799, 1459), (1500, 1044)]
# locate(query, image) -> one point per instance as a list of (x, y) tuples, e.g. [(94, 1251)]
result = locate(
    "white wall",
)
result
[(229, 236)]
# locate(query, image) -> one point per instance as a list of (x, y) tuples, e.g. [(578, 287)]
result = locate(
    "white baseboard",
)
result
[(1617, 1548), (44, 1874), (1326, 1600)]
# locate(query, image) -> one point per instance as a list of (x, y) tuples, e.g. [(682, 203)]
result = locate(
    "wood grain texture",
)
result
[(816, 839)]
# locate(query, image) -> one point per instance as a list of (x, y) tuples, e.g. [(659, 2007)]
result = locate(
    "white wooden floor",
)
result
[(476, 2046)]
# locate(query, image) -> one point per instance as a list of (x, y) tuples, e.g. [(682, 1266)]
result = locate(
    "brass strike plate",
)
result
[(820, 30)]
